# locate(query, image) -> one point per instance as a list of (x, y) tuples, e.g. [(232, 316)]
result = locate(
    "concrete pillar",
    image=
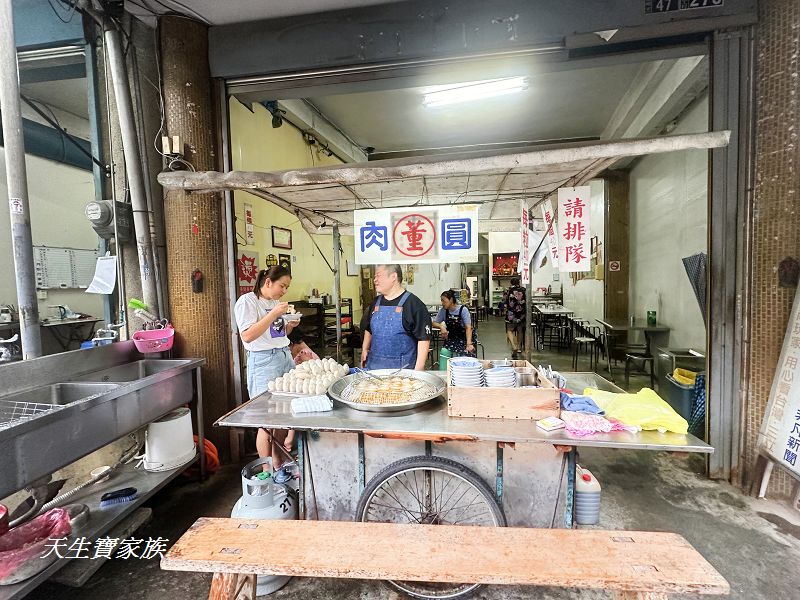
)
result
[(775, 220), (194, 223)]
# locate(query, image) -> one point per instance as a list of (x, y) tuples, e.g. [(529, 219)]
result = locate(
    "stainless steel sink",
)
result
[(133, 371), (26, 405)]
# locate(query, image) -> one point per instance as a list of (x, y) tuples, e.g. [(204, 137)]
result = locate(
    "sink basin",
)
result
[(133, 371), (24, 405)]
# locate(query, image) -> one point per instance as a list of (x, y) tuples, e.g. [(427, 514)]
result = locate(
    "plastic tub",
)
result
[(680, 397)]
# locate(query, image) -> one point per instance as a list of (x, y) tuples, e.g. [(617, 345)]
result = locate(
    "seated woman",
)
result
[(299, 349), (455, 325)]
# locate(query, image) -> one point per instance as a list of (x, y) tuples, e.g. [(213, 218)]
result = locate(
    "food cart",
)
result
[(423, 466)]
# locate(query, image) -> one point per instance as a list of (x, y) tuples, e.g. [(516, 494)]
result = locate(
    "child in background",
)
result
[(299, 349)]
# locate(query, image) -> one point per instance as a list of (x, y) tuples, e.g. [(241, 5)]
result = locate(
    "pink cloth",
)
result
[(585, 424), (304, 355)]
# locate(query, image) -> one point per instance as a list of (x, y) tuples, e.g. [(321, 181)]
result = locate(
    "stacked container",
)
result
[(587, 497)]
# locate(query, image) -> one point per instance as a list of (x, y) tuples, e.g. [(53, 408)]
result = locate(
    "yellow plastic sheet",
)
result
[(684, 376), (645, 409)]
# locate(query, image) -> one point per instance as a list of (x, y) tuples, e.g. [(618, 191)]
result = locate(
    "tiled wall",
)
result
[(776, 215)]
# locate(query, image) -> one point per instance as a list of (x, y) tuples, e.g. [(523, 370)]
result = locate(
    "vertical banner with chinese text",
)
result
[(524, 258), (246, 270), (249, 234), (418, 234), (780, 431), (573, 229), (552, 236)]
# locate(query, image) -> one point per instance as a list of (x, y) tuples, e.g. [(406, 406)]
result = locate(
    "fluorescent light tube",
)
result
[(475, 91)]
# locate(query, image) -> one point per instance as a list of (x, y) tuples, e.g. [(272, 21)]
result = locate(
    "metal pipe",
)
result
[(337, 288), (133, 168), (122, 308), (17, 181), (99, 173)]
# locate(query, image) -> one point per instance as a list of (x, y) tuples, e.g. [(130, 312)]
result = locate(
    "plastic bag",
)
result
[(22, 548), (644, 409)]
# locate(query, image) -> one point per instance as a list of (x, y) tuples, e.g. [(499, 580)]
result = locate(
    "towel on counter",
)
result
[(579, 404), (585, 424), (306, 404)]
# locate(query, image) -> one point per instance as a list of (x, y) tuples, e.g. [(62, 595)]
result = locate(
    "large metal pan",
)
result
[(338, 386)]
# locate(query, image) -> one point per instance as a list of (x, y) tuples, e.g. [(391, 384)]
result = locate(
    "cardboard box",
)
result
[(506, 403)]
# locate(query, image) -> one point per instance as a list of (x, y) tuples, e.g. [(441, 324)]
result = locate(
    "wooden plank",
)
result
[(612, 560), (232, 586)]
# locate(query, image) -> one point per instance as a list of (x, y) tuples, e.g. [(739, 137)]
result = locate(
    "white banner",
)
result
[(550, 231), (573, 229), (780, 430), (525, 257), (417, 234), (249, 234)]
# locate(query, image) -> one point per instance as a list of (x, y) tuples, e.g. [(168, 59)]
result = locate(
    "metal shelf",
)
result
[(100, 519)]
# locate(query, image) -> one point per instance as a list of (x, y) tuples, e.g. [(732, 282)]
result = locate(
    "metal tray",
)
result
[(337, 387)]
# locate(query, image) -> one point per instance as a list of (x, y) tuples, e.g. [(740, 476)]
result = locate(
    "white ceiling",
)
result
[(557, 105), (68, 95), (225, 12)]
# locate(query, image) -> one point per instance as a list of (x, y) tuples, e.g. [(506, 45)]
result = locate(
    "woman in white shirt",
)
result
[(264, 333)]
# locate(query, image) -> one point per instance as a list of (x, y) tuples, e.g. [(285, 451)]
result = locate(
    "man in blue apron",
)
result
[(397, 326)]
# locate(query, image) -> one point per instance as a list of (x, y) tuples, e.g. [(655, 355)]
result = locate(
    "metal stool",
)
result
[(589, 342), (645, 359)]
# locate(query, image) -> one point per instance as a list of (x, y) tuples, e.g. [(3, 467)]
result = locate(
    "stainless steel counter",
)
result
[(273, 411)]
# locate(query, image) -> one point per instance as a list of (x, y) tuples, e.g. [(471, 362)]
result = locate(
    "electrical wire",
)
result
[(70, 11)]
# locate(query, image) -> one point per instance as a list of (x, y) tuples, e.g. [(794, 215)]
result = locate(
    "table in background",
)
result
[(73, 330)]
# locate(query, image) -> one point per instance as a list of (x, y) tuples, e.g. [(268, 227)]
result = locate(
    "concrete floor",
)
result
[(755, 544)]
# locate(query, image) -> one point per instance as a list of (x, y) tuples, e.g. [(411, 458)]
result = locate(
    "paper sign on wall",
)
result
[(573, 228), (249, 234), (247, 270), (419, 234), (552, 237), (525, 258)]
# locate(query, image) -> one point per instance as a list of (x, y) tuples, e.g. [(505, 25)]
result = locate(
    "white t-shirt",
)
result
[(250, 309)]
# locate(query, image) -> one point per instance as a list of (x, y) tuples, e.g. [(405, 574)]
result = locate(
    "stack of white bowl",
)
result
[(501, 377), (466, 372)]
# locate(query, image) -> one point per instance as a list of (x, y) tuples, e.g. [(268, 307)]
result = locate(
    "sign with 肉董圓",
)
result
[(417, 234)]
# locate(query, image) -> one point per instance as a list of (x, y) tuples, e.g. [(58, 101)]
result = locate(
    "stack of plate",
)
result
[(466, 372), (501, 377)]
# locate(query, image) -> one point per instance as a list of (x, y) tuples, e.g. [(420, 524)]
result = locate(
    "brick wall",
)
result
[(776, 214)]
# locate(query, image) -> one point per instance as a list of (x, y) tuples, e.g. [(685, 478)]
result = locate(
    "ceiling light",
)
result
[(475, 91)]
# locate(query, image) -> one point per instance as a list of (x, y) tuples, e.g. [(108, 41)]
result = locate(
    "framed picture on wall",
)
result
[(285, 261), (281, 238)]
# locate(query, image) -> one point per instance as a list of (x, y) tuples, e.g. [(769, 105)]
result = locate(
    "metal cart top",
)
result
[(273, 411)]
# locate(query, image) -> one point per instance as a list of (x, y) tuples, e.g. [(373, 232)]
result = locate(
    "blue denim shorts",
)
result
[(265, 365)]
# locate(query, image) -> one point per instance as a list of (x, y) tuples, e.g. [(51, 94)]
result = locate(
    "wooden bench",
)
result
[(632, 564)]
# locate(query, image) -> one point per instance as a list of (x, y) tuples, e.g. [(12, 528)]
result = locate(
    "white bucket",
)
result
[(169, 442)]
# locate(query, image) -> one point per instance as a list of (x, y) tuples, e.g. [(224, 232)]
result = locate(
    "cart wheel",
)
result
[(433, 491)]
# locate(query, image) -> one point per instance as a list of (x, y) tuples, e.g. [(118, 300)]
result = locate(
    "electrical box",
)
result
[(101, 215)]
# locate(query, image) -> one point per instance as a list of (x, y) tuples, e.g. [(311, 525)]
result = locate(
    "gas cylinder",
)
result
[(262, 498)]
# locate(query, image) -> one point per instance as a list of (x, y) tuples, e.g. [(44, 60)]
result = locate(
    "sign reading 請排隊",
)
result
[(417, 234), (780, 431), (573, 229)]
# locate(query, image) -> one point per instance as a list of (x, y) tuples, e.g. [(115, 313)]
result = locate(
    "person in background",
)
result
[(515, 316), (396, 327), (299, 349), (455, 325), (259, 318)]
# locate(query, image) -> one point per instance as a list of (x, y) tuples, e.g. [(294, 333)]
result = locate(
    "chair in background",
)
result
[(644, 360), (587, 340)]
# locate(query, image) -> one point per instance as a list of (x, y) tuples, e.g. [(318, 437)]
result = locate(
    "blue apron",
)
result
[(391, 346)]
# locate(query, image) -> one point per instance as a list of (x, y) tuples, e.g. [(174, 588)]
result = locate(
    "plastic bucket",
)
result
[(154, 340)]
